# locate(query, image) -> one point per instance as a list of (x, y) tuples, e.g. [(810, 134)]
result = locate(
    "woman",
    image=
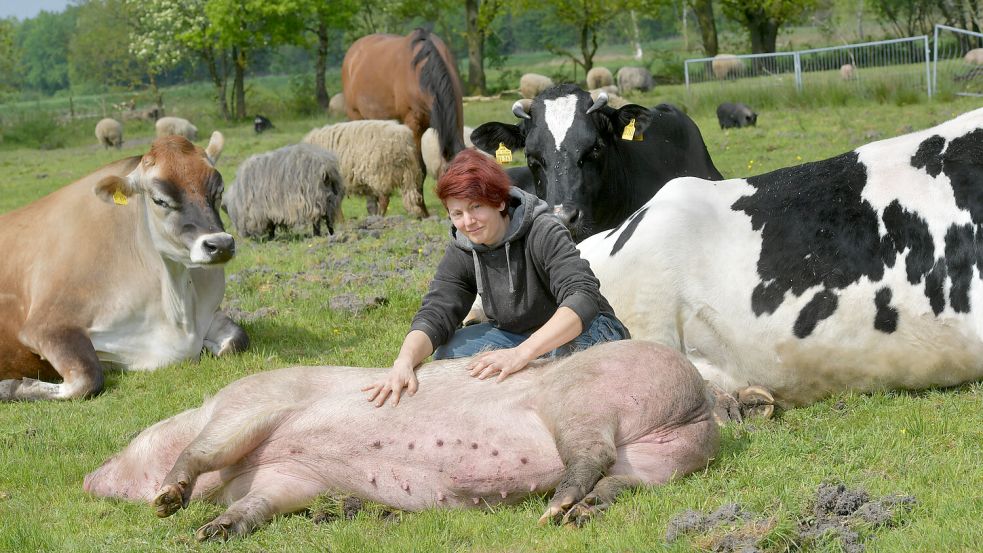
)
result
[(538, 293)]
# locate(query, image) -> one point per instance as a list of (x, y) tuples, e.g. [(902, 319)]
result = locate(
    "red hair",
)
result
[(472, 175)]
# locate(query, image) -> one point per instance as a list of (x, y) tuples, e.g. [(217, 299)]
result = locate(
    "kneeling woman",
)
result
[(540, 296)]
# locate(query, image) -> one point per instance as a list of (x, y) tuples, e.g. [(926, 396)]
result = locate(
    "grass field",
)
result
[(311, 301)]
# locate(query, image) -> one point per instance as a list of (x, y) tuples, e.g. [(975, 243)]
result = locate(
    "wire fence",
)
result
[(957, 61), (864, 68)]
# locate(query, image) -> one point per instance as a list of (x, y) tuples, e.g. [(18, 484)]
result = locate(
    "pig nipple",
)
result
[(475, 500), (440, 496), (406, 486), (372, 478), (504, 494)]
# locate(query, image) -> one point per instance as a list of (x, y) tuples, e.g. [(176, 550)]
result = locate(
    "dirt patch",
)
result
[(846, 516), (354, 303)]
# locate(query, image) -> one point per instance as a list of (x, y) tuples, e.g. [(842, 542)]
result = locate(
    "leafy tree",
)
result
[(763, 18), (42, 44), (91, 57), (587, 17), (479, 17), (708, 26), (7, 54), (324, 21), (910, 17)]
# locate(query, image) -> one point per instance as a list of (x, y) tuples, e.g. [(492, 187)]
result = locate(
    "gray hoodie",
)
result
[(523, 279)]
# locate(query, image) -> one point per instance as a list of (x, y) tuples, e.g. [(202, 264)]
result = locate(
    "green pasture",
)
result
[(311, 300)]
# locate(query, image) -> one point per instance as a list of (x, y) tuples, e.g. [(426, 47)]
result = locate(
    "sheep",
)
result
[(599, 76), (531, 84), (724, 65), (634, 78), (736, 115), (336, 106), (614, 100), (175, 125), (376, 157), (847, 72), (974, 56), (430, 149), (109, 132), (295, 185)]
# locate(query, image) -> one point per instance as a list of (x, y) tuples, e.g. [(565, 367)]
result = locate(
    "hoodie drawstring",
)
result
[(477, 270)]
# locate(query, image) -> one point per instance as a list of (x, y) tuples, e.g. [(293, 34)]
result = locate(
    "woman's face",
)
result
[(481, 223)]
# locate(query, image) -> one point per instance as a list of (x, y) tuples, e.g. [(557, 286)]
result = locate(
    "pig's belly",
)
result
[(414, 463)]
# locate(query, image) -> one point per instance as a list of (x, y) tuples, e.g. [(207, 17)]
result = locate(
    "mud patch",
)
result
[(848, 517), (240, 316), (355, 304)]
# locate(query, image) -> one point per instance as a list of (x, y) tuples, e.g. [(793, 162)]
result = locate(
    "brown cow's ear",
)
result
[(115, 189)]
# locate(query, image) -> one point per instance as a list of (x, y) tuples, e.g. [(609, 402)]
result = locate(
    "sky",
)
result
[(23, 9)]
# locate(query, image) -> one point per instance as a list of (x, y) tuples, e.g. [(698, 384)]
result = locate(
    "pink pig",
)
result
[(616, 415)]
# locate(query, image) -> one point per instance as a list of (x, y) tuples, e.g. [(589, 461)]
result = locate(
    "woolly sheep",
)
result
[(599, 76), (375, 158), (430, 149), (109, 132), (531, 84), (634, 78), (295, 185), (176, 125), (847, 71), (725, 64), (736, 115), (974, 56), (614, 100), (336, 106)]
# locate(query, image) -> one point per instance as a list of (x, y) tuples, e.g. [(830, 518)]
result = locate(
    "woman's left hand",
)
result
[(500, 361)]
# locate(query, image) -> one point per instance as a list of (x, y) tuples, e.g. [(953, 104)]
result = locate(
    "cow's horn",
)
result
[(600, 102), (519, 110)]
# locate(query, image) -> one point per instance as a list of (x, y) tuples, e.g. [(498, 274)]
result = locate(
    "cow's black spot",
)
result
[(960, 256), (629, 230), (886, 319), (906, 230), (816, 230), (821, 306), (935, 286), (927, 156), (962, 162)]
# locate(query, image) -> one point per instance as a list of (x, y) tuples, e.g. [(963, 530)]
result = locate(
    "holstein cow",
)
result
[(860, 272), (585, 164), (125, 266)]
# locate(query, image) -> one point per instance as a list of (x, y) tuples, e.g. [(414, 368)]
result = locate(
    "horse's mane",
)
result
[(437, 79)]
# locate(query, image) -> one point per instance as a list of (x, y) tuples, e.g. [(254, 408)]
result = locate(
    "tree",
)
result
[(42, 44), (323, 21), (763, 18), (908, 17), (479, 17), (93, 59), (588, 17), (708, 26), (7, 65)]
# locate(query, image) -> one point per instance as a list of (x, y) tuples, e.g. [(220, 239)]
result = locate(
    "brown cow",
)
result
[(125, 267)]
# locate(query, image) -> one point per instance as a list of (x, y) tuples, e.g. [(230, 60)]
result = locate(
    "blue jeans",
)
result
[(475, 339)]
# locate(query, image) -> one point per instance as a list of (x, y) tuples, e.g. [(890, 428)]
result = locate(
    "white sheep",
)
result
[(634, 78), (974, 56), (614, 100), (531, 84), (176, 125), (724, 65), (375, 158), (430, 149), (336, 105), (109, 132), (847, 71), (295, 185), (599, 76)]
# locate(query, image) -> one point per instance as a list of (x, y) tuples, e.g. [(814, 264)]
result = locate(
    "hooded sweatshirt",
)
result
[(523, 279)]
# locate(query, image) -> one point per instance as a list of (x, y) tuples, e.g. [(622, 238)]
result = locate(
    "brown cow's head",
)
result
[(181, 191)]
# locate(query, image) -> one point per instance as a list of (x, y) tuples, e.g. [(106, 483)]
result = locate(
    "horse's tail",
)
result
[(439, 80)]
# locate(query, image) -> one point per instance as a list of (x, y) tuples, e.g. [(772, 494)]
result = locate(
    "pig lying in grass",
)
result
[(617, 415)]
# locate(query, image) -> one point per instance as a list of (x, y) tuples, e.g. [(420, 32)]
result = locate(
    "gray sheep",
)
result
[(109, 132), (736, 115), (376, 157), (634, 78), (293, 186), (175, 125)]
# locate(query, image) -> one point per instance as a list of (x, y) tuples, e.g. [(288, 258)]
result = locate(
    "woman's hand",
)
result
[(502, 362), (400, 376)]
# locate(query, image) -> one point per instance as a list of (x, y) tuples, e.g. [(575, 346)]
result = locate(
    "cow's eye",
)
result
[(162, 203)]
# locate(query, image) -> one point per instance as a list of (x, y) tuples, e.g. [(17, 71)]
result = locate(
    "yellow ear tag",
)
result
[(503, 154), (629, 132), (119, 198)]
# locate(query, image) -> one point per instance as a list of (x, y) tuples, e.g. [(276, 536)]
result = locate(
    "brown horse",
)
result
[(411, 78)]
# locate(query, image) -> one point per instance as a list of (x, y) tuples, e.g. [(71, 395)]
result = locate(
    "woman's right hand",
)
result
[(400, 376)]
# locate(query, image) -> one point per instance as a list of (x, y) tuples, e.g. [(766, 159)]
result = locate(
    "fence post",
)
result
[(798, 71), (935, 59), (686, 74)]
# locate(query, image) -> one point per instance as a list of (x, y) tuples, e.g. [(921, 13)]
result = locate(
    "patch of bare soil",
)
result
[(847, 516)]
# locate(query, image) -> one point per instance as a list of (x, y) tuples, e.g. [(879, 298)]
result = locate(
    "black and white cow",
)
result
[(860, 272), (584, 163)]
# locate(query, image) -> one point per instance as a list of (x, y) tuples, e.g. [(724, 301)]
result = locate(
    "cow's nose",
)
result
[(219, 247), (568, 215)]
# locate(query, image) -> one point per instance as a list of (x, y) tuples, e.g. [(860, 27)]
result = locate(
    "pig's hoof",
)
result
[(555, 510), (214, 530), (169, 500), (726, 408), (585, 511), (756, 401)]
